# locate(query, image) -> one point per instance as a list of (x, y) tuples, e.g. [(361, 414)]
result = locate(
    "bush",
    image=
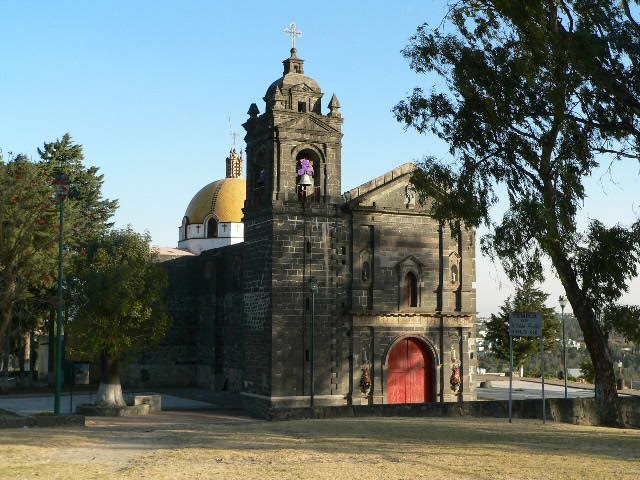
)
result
[(588, 372)]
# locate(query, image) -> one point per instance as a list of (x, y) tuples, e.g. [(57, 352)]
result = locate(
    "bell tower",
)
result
[(291, 129), (295, 237)]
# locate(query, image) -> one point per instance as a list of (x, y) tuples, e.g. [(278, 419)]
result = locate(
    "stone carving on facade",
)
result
[(454, 269), (410, 193), (366, 261)]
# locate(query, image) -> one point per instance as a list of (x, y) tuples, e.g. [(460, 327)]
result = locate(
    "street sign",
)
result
[(525, 324)]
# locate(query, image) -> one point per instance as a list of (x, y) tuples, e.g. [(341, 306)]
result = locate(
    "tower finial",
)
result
[(232, 134), (293, 32)]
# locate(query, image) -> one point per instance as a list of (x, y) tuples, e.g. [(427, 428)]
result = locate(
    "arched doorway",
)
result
[(410, 373)]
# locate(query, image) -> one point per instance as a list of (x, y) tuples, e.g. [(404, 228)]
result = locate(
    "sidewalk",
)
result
[(172, 399)]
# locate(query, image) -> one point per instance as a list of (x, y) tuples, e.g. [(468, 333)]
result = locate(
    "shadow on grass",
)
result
[(387, 437)]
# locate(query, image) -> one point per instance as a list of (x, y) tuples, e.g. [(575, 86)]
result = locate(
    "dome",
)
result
[(290, 80), (294, 82), (223, 198)]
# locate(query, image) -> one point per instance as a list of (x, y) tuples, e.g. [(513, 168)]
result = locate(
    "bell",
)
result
[(305, 180)]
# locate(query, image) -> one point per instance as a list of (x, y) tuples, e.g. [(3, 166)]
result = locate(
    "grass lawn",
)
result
[(374, 448)]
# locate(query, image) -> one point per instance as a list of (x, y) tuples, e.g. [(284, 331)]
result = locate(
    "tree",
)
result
[(29, 230), (537, 94), (527, 298), (88, 213), (624, 319), (119, 294), (27, 235)]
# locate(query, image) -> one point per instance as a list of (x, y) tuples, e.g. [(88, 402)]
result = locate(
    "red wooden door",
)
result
[(409, 373)]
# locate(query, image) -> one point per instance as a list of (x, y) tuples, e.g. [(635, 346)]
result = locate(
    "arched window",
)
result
[(212, 228), (410, 290)]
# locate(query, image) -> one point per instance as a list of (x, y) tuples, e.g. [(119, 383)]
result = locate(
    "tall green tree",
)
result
[(527, 298), (536, 94), (28, 250), (87, 212), (119, 291), (27, 236)]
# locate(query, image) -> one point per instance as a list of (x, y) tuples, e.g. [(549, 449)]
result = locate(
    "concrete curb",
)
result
[(102, 411)]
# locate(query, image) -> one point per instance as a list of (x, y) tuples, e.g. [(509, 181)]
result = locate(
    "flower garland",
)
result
[(455, 381), (365, 381), (306, 167)]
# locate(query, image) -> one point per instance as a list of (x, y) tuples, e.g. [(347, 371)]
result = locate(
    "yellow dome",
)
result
[(224, 198)]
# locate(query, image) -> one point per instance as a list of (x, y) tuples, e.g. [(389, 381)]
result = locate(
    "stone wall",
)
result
[(204, 344), (257, 303), (309, 243), (579, 411)]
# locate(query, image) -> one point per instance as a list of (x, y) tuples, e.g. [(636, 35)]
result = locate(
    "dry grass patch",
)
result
[(384, 448)]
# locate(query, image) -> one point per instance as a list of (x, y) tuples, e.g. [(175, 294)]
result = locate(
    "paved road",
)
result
[(524, 390), (44, 403)]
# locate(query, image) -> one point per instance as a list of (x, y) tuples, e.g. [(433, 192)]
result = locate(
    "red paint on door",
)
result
[(409, 376)]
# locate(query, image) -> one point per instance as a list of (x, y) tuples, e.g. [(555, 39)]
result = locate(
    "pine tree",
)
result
[(527, 298)]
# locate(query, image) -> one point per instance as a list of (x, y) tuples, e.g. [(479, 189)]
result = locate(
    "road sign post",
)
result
[(544, 411), (525, 324), (510, 372)]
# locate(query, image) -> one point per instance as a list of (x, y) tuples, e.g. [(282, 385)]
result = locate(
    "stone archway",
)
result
[(409, 372)]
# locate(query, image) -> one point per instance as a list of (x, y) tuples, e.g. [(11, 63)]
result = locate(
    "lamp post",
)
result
[(61, 186), (563, 303), (313, 284), (620, 376)]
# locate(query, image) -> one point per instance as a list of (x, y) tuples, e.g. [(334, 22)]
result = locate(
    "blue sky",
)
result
[(148, 88)]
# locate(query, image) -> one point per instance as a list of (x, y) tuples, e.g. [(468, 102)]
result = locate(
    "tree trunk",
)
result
[(6, 312), (33, 348), (605, 382), (4, 365), (110, 389)]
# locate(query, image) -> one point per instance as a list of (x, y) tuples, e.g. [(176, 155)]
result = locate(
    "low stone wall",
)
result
[(19, 421), (579, 411), (113, 411)]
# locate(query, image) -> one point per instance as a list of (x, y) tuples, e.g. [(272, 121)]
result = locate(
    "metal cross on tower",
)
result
[(293, 32), (233, 134)]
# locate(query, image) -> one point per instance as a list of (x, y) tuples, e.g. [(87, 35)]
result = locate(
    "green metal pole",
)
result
[(564, 356), (58, 368), (313, 322)]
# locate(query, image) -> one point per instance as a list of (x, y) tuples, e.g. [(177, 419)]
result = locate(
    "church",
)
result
[(293, 293)]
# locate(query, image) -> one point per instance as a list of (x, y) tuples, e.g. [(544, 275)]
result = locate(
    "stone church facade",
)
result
[(333, 298)]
